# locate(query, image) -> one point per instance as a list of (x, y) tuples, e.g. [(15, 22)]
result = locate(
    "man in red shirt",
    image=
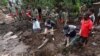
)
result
[(86, 27)]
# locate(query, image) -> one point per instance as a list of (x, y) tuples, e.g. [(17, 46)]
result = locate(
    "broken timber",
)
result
[(49, 31), (44, 43)]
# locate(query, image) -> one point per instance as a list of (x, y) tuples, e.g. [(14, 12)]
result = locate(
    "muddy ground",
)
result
[(27, 42)]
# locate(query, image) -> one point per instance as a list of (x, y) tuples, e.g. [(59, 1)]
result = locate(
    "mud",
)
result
[(26, 43)]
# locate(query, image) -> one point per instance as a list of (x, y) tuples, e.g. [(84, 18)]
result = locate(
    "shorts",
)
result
[(83, 40), (46, 31)]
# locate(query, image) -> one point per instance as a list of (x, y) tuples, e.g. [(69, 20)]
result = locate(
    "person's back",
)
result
[(70, 33), (49, 24), (36, 25), (70, 30)]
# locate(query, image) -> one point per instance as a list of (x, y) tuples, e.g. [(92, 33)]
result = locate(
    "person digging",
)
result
[(49, 28), (69, 32)]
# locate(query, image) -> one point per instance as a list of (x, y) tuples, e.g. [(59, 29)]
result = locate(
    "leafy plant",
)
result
[(3, 2)]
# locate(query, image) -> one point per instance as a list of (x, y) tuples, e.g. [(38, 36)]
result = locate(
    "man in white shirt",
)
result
[(36, 25)]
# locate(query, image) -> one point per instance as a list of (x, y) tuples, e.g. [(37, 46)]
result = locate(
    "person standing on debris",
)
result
[(69, 32), (36, 25), (39, 12), (92, 16), (85, 30), (29, 13), (49, 28)]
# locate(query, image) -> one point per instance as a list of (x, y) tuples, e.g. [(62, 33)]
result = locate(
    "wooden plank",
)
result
[(44, 43), (7, 35), (49, 31)]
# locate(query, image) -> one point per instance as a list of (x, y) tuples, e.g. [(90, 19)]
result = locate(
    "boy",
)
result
[(86, 27)]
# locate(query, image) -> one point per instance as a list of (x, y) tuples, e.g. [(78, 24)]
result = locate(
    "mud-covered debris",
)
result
[(2, 22), (7, 34), (94, 44)]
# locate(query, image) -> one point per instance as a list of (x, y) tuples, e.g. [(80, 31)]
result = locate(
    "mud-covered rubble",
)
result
[(10, 45), (17, 39)]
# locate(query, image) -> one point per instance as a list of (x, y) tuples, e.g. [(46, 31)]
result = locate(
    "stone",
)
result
[(14, 36), (8, 19), (72, 55), (26, 33), (59, 54), (94, 44), (98, 55), (8, 34), (2, 22), (5, 55)]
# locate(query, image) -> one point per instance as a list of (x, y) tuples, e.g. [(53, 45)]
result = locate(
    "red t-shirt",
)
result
[(86, 26)]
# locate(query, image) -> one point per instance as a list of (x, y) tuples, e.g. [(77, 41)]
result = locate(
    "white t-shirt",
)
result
[(70, 29), (36, 25), (72, 26)]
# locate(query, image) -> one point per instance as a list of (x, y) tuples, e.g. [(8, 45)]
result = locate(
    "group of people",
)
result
[(86, 27), (69, 31)]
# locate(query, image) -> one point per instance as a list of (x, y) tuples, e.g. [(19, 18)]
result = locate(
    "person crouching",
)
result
[(69, 32), (49, 28)]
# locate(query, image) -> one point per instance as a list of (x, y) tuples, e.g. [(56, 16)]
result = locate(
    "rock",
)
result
[(20, 48), (1, 48), (8, 19), (94, 44), (5, 55), (59, 54), (72, 55), (2, 22), (14, 36), (97, 28), (7, 35), (26, 33), (98, 55)]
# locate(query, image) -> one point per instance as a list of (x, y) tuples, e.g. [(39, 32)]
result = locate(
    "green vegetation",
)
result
[(72, 5), (3, 2)]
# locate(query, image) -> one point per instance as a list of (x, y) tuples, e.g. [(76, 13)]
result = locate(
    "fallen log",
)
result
[(7, 35), (44, 43), (49, 31)]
